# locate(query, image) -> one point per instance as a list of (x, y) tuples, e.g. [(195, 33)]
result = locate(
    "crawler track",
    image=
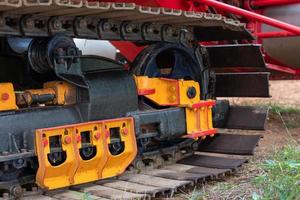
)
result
[(113, 21), (166, 181)]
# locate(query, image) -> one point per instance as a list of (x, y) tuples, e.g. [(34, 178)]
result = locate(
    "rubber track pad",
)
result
[(230, 144), (213, 162)]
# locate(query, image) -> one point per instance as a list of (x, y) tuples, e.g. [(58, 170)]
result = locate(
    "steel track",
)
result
[(167, 180), (108, 21)]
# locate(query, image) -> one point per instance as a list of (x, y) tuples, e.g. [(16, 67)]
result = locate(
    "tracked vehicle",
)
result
[(68, 119)]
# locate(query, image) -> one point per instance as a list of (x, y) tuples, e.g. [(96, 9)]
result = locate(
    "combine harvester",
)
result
[(68, 121)]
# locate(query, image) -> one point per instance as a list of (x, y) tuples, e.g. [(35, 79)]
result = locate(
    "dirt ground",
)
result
[(281, 130)]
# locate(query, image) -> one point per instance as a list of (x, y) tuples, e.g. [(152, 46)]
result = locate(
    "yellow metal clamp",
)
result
[(90, 169), (117, 164), (181, 93), (199, 120), (49, 176), (168, 92), (7, 97), (74, 168)]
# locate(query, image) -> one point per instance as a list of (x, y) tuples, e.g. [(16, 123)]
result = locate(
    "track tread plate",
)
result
[(134, 187), (212, 171), (183, 176), (155, 181), (38, 197), (197, 170), (213, 162), (230, 144), (109, 193), (73, 195), (247, 117)]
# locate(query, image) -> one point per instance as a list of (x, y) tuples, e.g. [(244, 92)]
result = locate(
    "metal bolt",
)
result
[(34, 189), (45, 142), (23, 150), (68, 140), (172, 89), (78, 139), (5, 96), (97, 136), (129, 28), (20, 161), (191, 92), (150, 29), (2, 21), (56, 24), (17, 191), (29, 23), (106, 26), (107, 133), (124, 131), (82, 23), (169, 30), (172, 98), (5, 195)]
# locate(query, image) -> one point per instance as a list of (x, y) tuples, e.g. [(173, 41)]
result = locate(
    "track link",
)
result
[(165, 181), (108, 21)]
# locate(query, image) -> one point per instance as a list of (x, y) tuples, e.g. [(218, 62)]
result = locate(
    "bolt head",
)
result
[(78, 139), (191, 92), (124, 131), (68, 140), (4, 96), (82, 23), (29, 23), (56, 24), (97, 136), (106, 133), (45, 142)]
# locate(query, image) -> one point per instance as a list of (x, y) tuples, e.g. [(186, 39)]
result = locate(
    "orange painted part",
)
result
[(204, 104), (143, 92), (201, 134)]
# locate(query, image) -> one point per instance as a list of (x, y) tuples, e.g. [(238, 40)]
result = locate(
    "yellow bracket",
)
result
[(90, 169), (7, 97), (75, 168), (168, 92), (49, 176), (181, 93), (65, 92), (124, 131), (199, 120)]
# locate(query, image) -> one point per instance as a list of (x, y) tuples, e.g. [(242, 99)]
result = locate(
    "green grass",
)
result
[(290, 116), (281, 177), (195, 195), (276, 108), (292, 125)]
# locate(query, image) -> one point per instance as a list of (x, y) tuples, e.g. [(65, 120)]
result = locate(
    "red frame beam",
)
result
[(283, 69), (251, 15), (276, 34), (268, 3)]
